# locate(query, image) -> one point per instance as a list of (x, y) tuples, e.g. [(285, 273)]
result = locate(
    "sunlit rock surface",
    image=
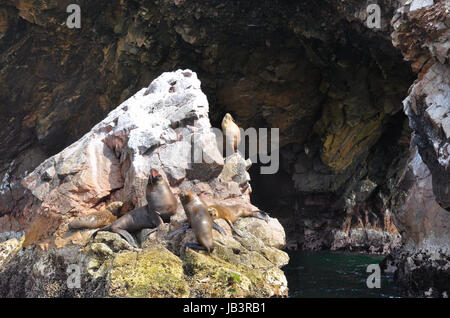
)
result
[(156, 128)]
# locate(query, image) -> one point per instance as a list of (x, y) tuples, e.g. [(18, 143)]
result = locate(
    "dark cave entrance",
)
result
[(344, 138), (311, 218)]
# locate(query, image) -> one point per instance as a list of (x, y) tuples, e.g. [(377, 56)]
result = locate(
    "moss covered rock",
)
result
[(154, 272)]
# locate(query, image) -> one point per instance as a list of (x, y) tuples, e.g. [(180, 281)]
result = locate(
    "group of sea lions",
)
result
[(162, 204)]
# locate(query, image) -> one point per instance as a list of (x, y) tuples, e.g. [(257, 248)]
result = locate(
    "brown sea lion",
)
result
[(159, 196), (97, 219), (231, 132), (161, 202), (230, 213), (199, 220)]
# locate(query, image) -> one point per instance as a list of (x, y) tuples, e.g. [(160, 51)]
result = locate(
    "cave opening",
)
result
[(343, 135)]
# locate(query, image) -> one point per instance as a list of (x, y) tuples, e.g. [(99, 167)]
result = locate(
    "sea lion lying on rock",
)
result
[(161, 205), (199, 220), (97, 219), (230, 213)]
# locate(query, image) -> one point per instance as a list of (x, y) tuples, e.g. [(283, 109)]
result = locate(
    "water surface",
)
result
[(334, 274)]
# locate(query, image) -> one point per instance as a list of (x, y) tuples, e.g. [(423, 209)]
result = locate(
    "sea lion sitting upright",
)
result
[(97, 219), (230, 213), (231, 132), (159, 196), (162, 203), (199, 220)]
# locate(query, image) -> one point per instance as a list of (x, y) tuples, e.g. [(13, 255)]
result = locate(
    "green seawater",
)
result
[(335, 274)]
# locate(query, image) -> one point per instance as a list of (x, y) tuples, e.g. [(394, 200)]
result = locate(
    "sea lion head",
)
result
[(213, 212), (154, 177), (186, 197), (228, 117)]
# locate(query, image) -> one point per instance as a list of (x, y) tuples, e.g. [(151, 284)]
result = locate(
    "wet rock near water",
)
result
[(421, 265), (420, 273)]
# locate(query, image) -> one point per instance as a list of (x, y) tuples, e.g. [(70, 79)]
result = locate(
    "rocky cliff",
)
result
[(314, 69), (421, 201)]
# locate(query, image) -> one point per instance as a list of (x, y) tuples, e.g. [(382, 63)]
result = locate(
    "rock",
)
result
[(273, 81), (155, 272), (271, 233), (114, 240), (175, 158), (5, 236), (275, 256), (425, 235), (155, 237), (360, 239), (206, 161), (235, 169), (419, 4), (100, 249), (427, 102), (8, 249), (108, 169), (236, 280)]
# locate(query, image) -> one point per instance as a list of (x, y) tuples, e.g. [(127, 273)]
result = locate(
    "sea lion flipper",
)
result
[(233, 229), (183, 229), (105, 228), (127, 236), (195, 246), (261, 215), (236, 232), (218, 228), (145, 233)]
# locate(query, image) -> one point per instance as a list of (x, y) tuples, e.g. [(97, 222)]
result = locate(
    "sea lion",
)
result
[(161, 203), (160, 197), (230, 213), (231, 132), (199, 220), (97, 219)]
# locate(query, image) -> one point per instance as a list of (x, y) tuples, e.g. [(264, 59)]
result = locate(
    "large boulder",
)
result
[(165, 127)]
